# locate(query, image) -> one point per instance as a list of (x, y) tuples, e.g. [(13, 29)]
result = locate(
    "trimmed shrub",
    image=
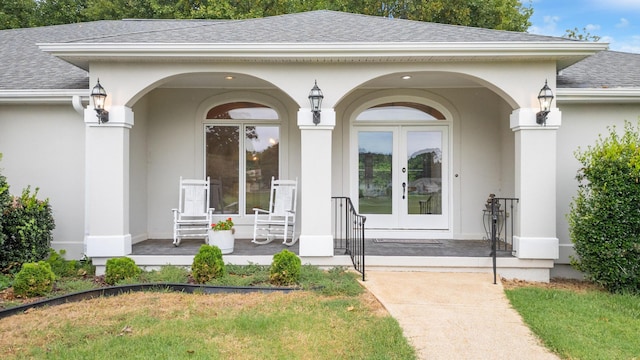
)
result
[(207, 264), (27, 225), (604, 218), (34, 279), (60, 266), (285, 268), (118, 269)]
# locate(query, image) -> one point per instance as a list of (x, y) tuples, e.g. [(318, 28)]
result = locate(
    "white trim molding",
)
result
[(40, 96), (566, 53), (105, 246), (592, 95), (536, 247)]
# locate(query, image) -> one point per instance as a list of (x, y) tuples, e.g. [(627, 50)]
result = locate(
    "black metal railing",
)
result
[(348, 231), (499, 215)]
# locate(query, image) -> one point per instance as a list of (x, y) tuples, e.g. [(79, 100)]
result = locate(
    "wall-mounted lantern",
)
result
[(315, 98), (98, 95), (544, 97)]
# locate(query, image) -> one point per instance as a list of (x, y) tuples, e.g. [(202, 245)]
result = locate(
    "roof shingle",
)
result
[(24, 66)]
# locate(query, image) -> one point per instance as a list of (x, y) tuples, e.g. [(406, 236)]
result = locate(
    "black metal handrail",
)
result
[(500, 214), (348, 231)]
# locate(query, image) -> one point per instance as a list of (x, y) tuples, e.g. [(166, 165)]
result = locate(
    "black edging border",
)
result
[(123, 289)]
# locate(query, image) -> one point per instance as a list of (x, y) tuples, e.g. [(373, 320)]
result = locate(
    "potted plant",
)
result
[(221, 235)]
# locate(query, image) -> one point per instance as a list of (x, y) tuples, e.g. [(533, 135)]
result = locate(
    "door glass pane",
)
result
[(262, 155), (222, 166), (424, 165), (374, 172)]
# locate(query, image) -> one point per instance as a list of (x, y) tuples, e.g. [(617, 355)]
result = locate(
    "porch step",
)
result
[(508, 267)]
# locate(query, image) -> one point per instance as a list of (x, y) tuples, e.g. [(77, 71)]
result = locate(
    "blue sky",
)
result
[(617, 22)]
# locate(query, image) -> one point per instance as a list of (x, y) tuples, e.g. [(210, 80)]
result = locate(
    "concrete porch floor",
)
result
[(443, 256), (244, 247)]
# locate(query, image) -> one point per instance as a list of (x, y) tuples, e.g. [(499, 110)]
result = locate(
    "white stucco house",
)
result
[(460, 101)]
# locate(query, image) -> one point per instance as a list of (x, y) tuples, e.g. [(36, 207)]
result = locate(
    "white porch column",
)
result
[(107, 183), (316, 237), (535, 182)]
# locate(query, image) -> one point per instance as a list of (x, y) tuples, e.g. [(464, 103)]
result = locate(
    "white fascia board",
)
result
[(592, 95), (81, 53), (42, 96)]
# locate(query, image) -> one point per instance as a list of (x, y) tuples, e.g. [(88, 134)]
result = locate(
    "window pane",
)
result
[(222, 166), (424, 162), (374, 172), (262, 157)]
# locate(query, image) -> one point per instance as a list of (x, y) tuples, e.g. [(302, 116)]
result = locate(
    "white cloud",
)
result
[(623, 23), (592, 27), (549, 26), (627, 44)]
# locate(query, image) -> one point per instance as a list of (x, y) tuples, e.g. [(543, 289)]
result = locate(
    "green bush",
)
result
[(27, 225), (34, 279), (604, 218), (5, 200), (285, 268), (207, 264), (118, 269), (60, 266)]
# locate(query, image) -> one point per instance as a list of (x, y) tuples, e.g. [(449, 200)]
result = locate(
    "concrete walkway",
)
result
[(455, 315)]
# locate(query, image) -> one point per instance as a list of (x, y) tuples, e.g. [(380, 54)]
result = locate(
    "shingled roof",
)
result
[(25, 66), (606, 69)]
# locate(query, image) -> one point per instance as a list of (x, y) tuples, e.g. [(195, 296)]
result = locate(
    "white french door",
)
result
[(403, 176)]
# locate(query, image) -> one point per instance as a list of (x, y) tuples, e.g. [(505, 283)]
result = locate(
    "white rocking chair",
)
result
[(193, 217), (280, 220)]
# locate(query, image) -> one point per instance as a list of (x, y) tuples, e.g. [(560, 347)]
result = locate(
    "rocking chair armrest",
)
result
[(291, 211), (258, 210)]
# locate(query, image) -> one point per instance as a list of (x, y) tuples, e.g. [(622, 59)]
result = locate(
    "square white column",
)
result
[(535, 182), (316, 237), (107, 183)]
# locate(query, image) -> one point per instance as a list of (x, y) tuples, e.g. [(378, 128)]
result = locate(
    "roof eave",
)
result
[(593, 95), (40, 96), (564, 53)]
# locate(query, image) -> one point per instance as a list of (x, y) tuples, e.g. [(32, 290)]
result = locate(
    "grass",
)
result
[(331, 318), (581, 324)]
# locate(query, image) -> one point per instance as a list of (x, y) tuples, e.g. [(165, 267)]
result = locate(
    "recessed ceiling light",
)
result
[(229, 77), (406, 77)]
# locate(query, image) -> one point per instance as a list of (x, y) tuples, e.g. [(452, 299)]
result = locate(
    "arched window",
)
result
[(242, 154), (406, 111)]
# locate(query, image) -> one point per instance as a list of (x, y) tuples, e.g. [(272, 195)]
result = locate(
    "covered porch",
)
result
[(476, 135)]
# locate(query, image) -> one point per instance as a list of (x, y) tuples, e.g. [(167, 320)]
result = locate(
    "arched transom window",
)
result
[(407, 111), (242, 154)]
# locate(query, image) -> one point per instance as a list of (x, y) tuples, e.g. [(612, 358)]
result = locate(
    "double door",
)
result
[(403, 176)]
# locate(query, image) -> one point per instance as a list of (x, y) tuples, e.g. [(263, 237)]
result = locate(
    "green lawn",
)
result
[(331, 318), (588, 324)]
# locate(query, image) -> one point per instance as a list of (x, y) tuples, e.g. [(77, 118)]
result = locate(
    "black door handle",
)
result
[(404, 189)]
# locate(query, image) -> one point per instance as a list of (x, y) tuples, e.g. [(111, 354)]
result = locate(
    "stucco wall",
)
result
[(581, 125), (43, 147), (138, 173)]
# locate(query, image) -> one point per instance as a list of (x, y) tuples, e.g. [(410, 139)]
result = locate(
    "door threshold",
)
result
[(408, 234)]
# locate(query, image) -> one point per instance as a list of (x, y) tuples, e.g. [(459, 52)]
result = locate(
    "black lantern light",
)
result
[(98, 95), (544, 97), (315, 98)]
